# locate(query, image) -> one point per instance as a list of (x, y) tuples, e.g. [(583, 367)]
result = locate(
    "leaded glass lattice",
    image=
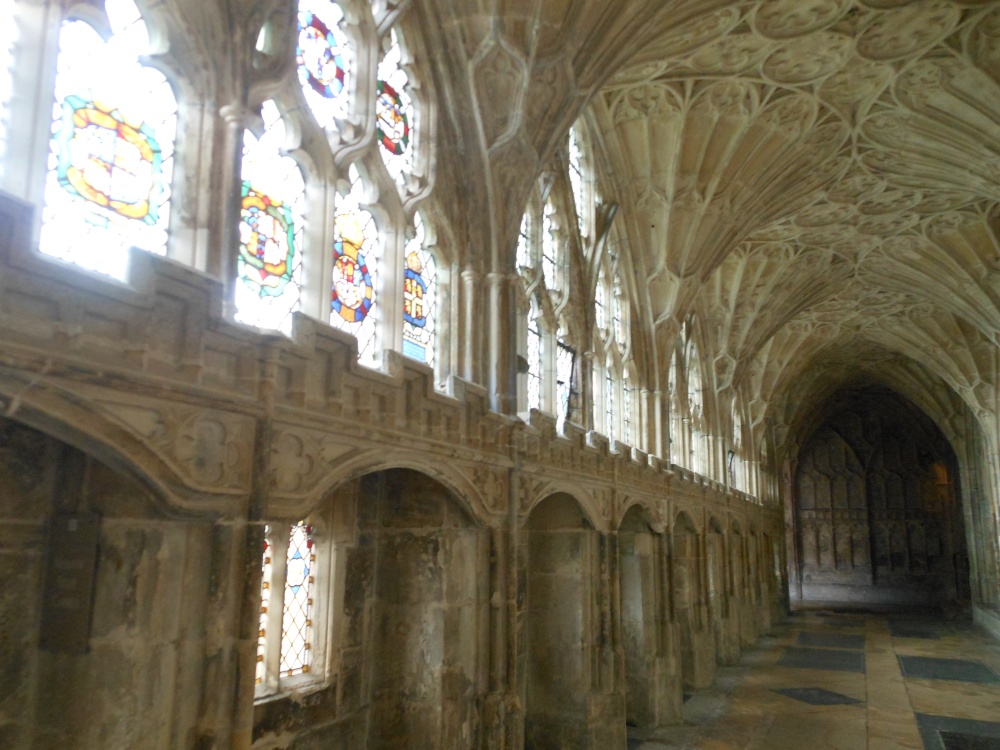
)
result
[(265, 603), (296, 622), (394, 114), (609, 404), (419, 297), (617, 313), (524, 243), (576, 180), (272, 206), (323, 57), (565, 357), (626, 410), (550, 247), (112, 147), (600, 306), (534, 385), (354, 285), (8, 36)]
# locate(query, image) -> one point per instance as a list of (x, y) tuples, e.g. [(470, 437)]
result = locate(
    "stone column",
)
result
[(470, 325)]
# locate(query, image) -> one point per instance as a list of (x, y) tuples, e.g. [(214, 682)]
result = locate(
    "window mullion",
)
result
[(276, 611)]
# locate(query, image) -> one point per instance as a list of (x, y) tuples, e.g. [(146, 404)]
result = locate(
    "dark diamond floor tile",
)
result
[(963, 741), (845, 622), (822, 658), (910, 629), (818, 696), (948, 733), (928, 668), (831, 640)]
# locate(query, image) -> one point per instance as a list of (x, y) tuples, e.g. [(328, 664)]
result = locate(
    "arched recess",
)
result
[(404, 569), (474, 498), (652, 687), (690, 611), (106, 432), (106, 598), (562, 625), (717, 565)]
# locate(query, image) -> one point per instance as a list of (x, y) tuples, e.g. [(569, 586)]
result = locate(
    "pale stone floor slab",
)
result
[(780, 698)]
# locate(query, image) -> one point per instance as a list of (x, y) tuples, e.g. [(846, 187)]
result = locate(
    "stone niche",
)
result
[(562, 570), (697, 644), (410, 616), (652, 661), (876, 506), (129, 611)]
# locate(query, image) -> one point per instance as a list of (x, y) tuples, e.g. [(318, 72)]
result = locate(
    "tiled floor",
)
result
[(849, 682)]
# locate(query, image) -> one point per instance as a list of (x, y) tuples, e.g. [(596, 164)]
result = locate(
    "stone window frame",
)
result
[(274, 686)]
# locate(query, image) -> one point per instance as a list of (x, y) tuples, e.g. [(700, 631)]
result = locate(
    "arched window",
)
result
[(534, 385), (285, 639), (324, 61), (736, 454), (626, 408), (695, 408), (355, 269), (578, 181), (112, 147), (394, 114), (551, 255), (272, 205), (617, 311), (677, 436), (565, 363), (419, 298), (600, 304), (524, 255), (8, 36), (609, 403)]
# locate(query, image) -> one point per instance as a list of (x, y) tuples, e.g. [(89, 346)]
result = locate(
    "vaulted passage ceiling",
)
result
[(818, 181), (815, 181)]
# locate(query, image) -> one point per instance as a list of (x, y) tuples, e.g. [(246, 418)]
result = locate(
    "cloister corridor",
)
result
[(843, 680)]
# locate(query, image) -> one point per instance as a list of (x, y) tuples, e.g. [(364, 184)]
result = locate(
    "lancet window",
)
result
[(8, 36), (272, 208), (111, 152), (419, 298), (285, 640)]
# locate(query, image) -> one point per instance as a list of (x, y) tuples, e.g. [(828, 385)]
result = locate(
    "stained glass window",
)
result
[(323, 57), (609, 404), (355, 269), (419, 293), (550, 247), (534, 363), (265, 603), (112, 147), (523, 243), (296, 622), (272, 204), (8, 35), (565, 358), (576, 179), (394, 114)]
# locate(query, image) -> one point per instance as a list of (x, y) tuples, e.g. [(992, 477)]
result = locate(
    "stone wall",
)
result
[(183, 436)]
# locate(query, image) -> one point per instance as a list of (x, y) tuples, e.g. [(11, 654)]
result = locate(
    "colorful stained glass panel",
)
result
[(272, 203), (354, 283), (419, 297), (111, 156), (323, 57), (394, 114)]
